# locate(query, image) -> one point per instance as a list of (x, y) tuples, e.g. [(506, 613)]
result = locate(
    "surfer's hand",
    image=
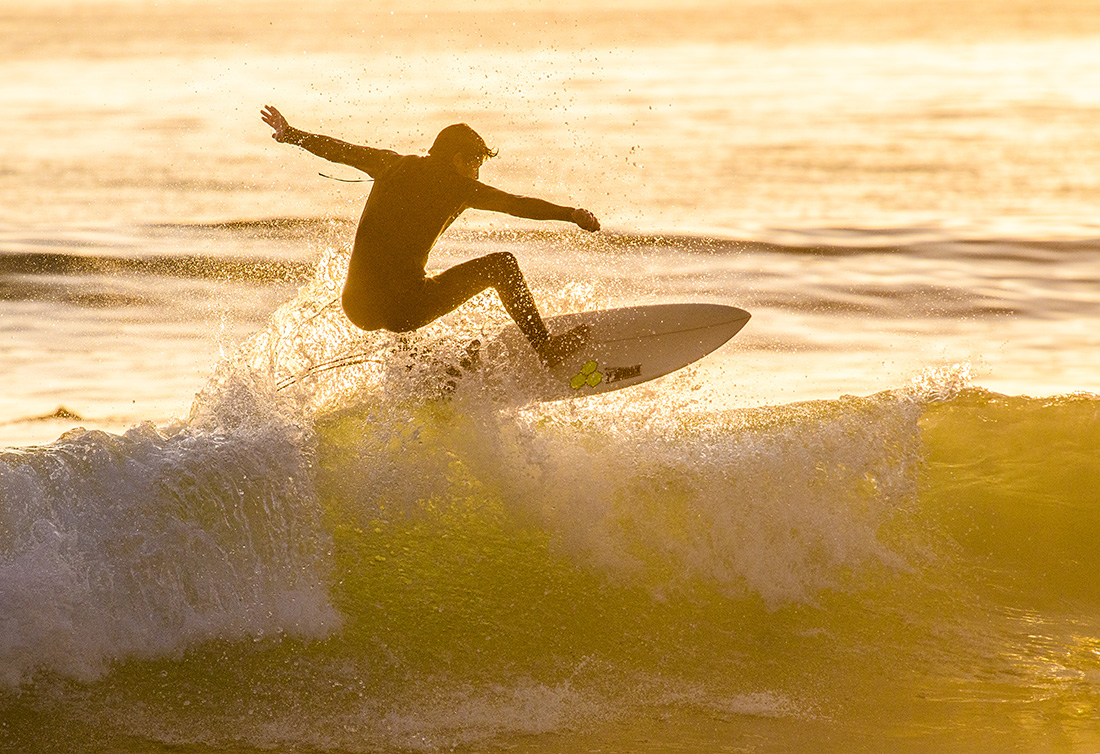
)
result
[(586, 220), (275, 119)]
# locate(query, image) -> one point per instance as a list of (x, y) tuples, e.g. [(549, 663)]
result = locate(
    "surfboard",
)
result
[(625, 347)]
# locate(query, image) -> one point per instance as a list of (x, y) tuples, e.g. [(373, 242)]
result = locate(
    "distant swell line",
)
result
[(184, 266), (84, 256)]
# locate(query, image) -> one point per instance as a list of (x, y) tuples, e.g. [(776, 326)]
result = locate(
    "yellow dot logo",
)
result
[(589, 375)]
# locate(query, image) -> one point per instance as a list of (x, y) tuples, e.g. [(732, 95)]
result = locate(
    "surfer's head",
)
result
[(461, 146)]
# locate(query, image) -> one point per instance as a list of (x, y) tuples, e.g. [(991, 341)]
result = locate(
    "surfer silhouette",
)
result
[(413, 201)]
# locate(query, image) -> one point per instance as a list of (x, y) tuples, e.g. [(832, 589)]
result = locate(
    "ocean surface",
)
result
[(232, 522)]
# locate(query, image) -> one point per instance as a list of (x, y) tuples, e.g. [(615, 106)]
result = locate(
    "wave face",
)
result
[(348, 559)]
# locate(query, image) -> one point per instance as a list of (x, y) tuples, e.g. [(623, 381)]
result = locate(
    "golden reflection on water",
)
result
[(46, 28)]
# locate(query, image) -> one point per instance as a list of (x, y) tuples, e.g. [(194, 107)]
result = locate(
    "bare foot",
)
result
[(564, 345)]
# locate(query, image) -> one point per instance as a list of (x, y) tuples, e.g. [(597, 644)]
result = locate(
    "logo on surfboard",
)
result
[(591, 375)]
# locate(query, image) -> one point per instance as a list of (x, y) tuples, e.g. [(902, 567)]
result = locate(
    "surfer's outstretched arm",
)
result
[(495, 200), (367, 159)]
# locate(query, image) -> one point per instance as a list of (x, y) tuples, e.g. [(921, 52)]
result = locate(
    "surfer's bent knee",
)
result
[(507, 258)]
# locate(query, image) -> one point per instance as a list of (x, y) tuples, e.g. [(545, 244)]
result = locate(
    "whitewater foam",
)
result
[(144, 544)]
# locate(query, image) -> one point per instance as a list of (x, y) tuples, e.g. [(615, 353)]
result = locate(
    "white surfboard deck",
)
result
[(625, 347)]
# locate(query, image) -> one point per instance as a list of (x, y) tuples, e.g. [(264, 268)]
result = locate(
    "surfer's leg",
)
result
[(451, 288)]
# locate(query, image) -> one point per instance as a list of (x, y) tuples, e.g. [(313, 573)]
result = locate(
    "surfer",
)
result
[(413, 201)]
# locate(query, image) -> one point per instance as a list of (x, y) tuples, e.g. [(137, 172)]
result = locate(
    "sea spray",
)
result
[(777, 502)]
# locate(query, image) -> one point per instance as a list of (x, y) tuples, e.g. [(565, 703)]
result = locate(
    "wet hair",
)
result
[(460, 139)]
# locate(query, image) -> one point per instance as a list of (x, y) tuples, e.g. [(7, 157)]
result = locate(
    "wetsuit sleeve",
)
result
[(492, 199), (368, 159)]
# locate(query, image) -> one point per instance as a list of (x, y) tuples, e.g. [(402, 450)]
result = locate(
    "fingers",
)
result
[(271, 116)]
